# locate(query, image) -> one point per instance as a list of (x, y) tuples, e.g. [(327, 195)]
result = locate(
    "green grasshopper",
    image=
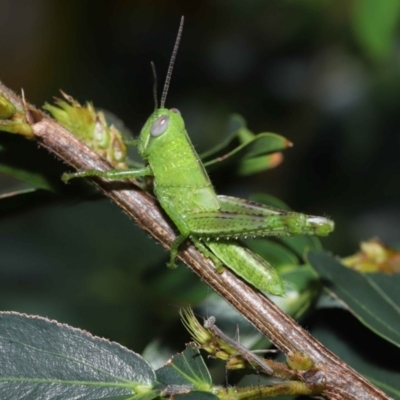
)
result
[(186, 194)]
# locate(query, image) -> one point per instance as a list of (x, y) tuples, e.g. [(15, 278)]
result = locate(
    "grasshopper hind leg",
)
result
[(204, 250), (199, 245)]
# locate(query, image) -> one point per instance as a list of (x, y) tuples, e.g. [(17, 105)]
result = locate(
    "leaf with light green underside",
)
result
[(22, 199), (15, 193), (250, 152), (375, 26), (301, 244), (142, 396), (36, 179), (196, 395), (371, 356), (42, 359), (269, 200), (276, 254), (186, 369), (302, 287), (7, 109), (165, 281), (373, 298), (21, 159), (13, 120)]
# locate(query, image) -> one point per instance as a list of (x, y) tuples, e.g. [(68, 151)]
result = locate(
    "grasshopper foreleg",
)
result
[(112, 174)]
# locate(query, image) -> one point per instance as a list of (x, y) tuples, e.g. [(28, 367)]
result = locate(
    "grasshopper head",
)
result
[(161, 127)]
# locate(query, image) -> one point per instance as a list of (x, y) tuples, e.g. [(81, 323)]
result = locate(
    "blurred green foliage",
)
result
[(375, 26)]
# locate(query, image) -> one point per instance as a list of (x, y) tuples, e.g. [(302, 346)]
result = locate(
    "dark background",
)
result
[(302, 69)]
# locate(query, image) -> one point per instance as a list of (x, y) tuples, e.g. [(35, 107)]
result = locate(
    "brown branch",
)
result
[(340, 381)]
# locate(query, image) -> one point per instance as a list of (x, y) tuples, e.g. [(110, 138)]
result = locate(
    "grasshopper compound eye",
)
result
[(176, 111), (159, 126)]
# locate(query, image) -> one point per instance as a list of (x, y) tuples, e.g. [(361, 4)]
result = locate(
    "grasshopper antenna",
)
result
[(153, 68), (171, 64)]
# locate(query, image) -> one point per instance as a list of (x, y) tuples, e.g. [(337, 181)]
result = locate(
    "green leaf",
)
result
[(235, 124), (269, 200), (368, 354), (13, 120), (23, 199), (186, 368), (373, 298), (252, 153), (301, 244), (44, 359), (196, 395), (301, 288), (34, 178), (253, 165), (21, 159), (18, 192), (276, 254), (141, 396), (374, 24), (7, 109), (165, 281)]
